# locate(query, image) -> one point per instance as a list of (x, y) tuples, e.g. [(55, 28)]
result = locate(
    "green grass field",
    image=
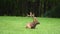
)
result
[(16, 25)]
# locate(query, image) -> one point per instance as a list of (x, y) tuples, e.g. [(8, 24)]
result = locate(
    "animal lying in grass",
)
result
[(33, 24)]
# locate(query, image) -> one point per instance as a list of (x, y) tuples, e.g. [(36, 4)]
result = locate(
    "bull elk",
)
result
[(33, 24)]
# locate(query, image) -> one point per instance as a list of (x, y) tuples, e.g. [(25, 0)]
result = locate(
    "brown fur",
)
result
[(33, 24)]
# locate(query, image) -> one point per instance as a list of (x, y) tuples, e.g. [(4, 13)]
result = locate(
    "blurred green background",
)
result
[(16, 25), (13, 18)]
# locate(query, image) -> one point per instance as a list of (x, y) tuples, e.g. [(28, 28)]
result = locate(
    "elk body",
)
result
[(33, 24)]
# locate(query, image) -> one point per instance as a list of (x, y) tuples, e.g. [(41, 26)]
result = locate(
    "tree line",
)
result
[(46, 8)]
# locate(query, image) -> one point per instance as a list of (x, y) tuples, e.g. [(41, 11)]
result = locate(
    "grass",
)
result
[(16, 25)]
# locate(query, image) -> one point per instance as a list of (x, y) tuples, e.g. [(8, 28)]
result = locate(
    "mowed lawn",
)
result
[(16, 25)]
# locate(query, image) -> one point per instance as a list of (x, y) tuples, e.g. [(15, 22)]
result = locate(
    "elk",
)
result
[(33, 24), (30, 14)]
